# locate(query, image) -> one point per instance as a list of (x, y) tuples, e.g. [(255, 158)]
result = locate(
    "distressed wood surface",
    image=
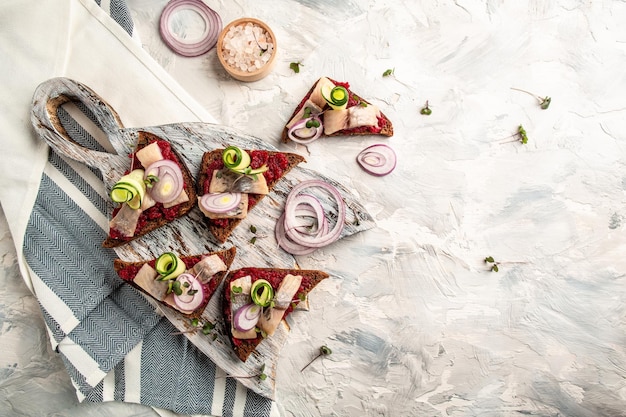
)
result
[(188, 235)]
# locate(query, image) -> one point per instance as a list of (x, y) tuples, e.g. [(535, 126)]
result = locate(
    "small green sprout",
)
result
[(295, 66), (253, 230), (544, 102), (261, 374), (196, 325), (426, 111), (389, 72), (263, 50), (522, 133), (324, 351), (519, 136), (494, 264), (150, 180), (174, 287), (312, 123), (207, 327)]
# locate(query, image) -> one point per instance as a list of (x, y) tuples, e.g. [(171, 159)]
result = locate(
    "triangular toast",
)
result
[(244, 347), (128, 271), (279, 163), (155, 216), (317, 105)]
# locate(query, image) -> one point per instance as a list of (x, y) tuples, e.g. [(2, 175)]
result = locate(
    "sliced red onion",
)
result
[(170, 181), (300, 133), (247, 317), (377, 159), (308, 214), (194, 47), (287, 244), (294, 236), (189, 302), (220, 202), (310, 220)]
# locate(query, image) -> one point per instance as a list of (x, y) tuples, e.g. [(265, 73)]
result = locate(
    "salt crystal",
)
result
[(245, 44)]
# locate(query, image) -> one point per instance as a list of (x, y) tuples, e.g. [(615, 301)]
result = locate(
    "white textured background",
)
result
[(417, 323)]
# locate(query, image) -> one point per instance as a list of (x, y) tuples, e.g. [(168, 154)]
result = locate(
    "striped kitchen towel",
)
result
[(119, 11), (113, 343)]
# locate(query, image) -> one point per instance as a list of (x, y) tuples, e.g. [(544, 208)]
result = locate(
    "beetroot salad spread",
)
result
[(157, 211), (276, 163)]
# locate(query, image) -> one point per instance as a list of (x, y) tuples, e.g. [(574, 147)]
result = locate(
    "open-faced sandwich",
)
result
[(256, 300), (330, 108), (184, 283), (158, 189), (232, 181)]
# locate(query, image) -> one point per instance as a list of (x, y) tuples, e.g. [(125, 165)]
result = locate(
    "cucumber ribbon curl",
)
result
[(238, 160)]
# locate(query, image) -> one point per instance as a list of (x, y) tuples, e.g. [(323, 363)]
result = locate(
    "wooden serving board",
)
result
[(188, 235)]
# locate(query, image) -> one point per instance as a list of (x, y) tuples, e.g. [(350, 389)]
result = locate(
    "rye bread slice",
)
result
[(221, 229), (310, 278), (385, 125), (128, 270), (149, 221)]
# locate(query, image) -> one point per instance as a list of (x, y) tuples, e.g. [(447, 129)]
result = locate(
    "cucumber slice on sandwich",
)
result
[(130, 189), (169, 266)]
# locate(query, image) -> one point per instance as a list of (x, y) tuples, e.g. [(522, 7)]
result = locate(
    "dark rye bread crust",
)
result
[(386, 129), (227, 256), (244, 347), (145, 138), (222, 233)]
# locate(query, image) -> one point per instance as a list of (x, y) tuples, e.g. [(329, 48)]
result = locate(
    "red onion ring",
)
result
[(308, 206), (308, 220), (377, 159), (187, 302), (168, 174), (246, 317), (287, 244), (300, 127), (212, 22), (298, 240), (214, 202)]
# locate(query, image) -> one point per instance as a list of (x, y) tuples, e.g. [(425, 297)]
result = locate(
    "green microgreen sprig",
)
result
[(519, 136), (426, 111), (295, 66), (263, 50), (261, 374), (253, 230), (312, 123), (389, 72), (205, 327), (301, 298), (151, 180), (494, 264), (174, 287), (324, 351), (544, 102)]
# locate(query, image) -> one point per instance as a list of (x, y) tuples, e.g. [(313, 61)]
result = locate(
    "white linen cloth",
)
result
[(78, 39)]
